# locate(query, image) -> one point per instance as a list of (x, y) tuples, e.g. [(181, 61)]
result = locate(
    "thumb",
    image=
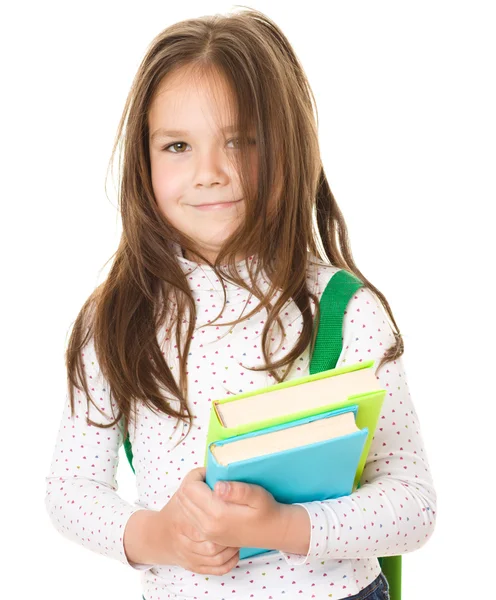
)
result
[(236, 491), (197, 474)]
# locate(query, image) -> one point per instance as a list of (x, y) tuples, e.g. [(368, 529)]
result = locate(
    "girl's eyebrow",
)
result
[(177, 132)]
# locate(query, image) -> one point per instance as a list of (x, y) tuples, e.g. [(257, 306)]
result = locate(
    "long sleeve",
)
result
[(81, 497), (394, 509)]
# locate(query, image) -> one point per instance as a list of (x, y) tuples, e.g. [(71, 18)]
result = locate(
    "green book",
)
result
[(299, 398)]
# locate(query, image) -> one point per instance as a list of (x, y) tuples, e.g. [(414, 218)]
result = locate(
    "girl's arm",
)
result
[(394, 510), (81, 497)]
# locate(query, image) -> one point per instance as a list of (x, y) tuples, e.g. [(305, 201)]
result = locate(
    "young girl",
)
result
[(214, 291)]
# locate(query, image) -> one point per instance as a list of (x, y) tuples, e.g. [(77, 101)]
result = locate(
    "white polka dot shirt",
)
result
[(393, 512)]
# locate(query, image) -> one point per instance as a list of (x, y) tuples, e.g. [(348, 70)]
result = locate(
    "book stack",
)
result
[(303, 440)]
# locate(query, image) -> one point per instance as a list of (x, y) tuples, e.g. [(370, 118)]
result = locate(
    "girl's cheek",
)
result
[(168, 184)]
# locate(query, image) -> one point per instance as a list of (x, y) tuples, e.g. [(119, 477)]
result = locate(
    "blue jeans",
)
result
[(377, 590)]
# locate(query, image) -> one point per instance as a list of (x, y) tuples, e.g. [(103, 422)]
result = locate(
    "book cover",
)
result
[(316, 471)]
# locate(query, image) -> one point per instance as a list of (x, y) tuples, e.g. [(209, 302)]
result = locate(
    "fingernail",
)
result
[(223, 487)]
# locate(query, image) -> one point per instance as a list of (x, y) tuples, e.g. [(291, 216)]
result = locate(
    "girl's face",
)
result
[(193, 160)]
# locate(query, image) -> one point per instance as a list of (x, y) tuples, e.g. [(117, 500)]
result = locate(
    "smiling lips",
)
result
[(218, 206)]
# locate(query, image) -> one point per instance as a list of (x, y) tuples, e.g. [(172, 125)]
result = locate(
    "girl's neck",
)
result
[(196, 259)]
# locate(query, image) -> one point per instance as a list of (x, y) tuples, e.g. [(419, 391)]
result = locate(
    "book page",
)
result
[(308, 395), (285, 439)]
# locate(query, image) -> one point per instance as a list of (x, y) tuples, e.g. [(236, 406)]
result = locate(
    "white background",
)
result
[(406, 99)]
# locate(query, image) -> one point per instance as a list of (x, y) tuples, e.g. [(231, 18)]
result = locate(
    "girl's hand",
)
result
[(175, 539), (246, 516)]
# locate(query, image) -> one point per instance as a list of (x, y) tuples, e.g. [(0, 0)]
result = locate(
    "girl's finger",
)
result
[(196, 515), (207, 549), (192, 534), (208, 557)]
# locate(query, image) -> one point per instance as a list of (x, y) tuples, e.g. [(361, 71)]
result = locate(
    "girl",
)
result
[(224, 201)]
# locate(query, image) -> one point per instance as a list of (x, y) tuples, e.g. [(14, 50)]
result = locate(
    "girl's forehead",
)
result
[(189, 83), (181, 98)]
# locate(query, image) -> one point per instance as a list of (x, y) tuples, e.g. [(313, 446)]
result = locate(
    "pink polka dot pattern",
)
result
[(392, 512)]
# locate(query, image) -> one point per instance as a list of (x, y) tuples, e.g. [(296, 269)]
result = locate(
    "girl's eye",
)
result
[(174, 144), (251, 141)]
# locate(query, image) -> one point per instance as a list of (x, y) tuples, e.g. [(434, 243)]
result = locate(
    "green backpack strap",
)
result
[(129, 451), (333, 303), (328, 346), (391, 567)]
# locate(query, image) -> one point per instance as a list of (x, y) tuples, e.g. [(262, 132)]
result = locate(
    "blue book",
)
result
[(322, 469)]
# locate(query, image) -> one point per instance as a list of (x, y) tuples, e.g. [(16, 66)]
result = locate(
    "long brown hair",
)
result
[(145, 284)]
